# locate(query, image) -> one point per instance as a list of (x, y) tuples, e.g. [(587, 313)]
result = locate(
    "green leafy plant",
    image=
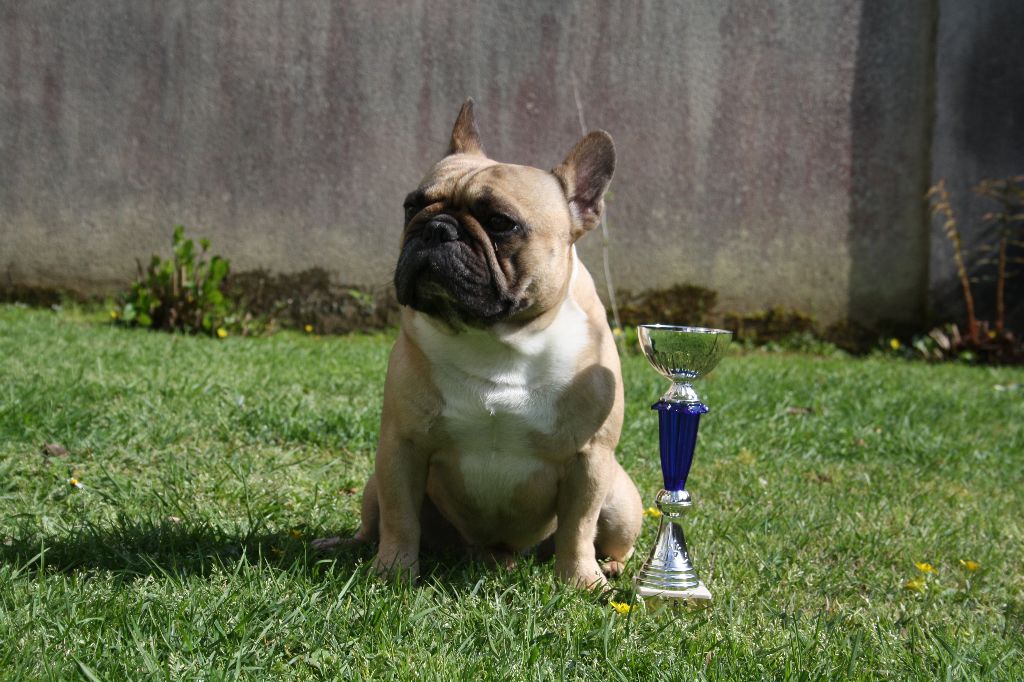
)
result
[(183, 293)]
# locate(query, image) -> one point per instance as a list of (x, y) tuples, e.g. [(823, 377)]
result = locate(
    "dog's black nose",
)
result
[(441, 228)]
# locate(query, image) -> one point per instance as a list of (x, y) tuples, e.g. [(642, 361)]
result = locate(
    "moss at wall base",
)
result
[(316, 300)]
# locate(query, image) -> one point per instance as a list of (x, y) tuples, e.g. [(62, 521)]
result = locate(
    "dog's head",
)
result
[(488, 242)]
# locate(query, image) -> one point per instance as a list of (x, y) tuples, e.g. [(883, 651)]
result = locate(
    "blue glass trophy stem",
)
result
[(677, 426)]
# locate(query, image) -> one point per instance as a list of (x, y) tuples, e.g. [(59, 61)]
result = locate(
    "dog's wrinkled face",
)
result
[(484, 242), (487, 242)]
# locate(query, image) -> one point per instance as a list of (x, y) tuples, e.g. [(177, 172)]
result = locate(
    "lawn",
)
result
[(206, 468)]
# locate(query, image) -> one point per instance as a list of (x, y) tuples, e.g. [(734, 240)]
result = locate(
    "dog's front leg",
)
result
[(580, 495), (401, 478)]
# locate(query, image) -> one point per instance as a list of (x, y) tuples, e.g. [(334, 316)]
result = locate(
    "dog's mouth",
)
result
[(452, 282)]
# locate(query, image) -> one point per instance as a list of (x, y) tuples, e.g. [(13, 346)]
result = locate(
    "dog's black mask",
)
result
[(445, 273)]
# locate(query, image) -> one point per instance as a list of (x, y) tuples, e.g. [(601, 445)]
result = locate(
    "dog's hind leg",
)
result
[(619, 523), (369, 514)]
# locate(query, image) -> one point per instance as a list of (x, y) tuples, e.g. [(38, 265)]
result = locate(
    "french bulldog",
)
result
[(503, 400)]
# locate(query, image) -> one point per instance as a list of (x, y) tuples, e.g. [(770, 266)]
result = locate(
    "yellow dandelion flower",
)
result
[(295, 533), (971, 566), (894, 344), (747, 457), (652, 512), (222, 333), (917, 584), (114, 314), (620, 607), (75, 483), (924, 567), (617, 332), (308, 328)]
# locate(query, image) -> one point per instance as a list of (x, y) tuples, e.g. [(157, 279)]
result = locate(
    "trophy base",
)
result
[(699, 596), (668, 574)]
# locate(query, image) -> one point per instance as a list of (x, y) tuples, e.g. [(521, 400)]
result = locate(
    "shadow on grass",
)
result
[(134, 547), (141, 547)]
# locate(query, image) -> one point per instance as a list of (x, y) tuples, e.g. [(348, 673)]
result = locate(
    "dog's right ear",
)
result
[(465, 136)]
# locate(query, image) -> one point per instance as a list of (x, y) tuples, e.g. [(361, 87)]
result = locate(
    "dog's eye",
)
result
[(410, 212), (413, 204), (501, 224)]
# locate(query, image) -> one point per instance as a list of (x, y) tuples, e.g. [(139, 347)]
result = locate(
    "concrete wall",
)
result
[(776, 152)]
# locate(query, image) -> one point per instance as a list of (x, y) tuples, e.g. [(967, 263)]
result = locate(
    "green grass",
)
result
[(207, 467)]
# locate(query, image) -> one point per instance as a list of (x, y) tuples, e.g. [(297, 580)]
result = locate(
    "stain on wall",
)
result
[(890, 138)]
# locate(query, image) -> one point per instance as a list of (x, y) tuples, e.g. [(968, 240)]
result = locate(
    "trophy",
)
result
[(682, 355)]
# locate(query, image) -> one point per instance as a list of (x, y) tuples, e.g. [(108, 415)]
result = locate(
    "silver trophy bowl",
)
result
[(682, 355)]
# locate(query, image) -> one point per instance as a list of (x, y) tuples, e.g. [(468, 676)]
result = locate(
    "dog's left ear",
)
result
[(585, 175), (465, 136)]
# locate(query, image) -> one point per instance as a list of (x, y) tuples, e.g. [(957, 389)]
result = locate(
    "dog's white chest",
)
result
[(500, 393)]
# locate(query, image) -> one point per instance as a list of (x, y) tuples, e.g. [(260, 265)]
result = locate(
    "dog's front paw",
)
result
[(613, 568), (397, 565), (585, 573)]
